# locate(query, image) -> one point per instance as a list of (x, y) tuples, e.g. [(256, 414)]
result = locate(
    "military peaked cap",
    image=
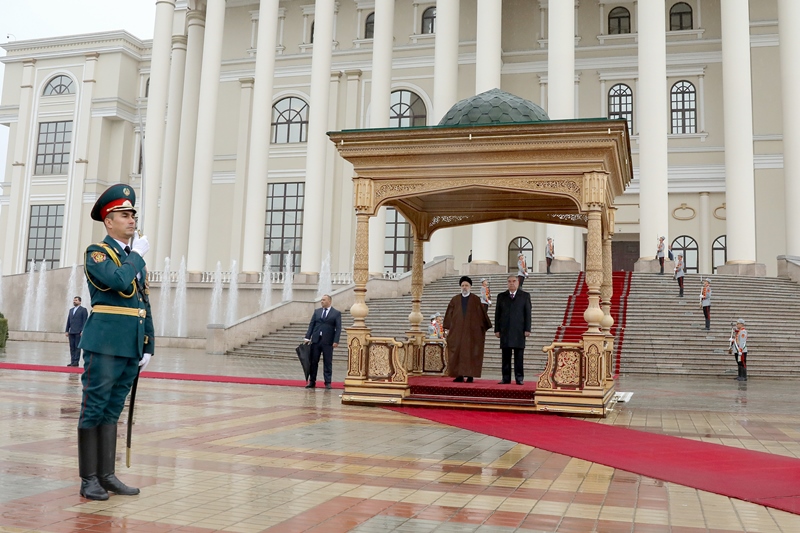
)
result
[(119, 197)]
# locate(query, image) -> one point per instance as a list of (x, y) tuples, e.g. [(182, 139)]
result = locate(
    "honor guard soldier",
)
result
[(117, 340)]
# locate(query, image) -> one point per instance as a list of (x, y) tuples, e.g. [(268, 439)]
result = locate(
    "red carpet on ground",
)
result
[(762, 478), (175, 375), (480, 388)]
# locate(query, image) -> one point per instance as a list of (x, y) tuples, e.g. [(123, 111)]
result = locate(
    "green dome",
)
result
[(493, 107)]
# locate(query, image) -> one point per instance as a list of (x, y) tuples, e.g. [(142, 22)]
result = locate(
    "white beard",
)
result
[(465, 293)]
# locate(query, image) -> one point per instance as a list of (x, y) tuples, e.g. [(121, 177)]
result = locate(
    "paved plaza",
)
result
[(249, 458)]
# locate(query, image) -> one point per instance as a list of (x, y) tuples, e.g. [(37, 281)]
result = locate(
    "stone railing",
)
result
[(208, 276), (789, 267)]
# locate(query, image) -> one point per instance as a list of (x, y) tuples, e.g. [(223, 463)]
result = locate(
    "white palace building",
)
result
[(236, 98)]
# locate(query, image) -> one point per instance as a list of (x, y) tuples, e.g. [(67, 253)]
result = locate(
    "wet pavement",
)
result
[(251, 458)]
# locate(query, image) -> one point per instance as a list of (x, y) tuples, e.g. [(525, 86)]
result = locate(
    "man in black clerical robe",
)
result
[(465, 326)]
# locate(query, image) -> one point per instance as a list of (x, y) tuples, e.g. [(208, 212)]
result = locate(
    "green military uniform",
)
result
[(118, 332)]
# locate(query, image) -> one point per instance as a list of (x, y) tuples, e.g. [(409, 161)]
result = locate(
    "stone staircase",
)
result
[(663, 335), (388, 317)]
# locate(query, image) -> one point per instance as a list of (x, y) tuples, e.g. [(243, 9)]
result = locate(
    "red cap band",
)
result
[(121, 204)]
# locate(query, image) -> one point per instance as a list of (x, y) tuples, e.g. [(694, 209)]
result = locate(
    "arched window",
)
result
[(619, 21), (719, 253), (688, 247), (289, 121), (369, 26), (680, 17), (59, 85), (515, 247), (620, 104), (429, 20), (407, 109), (398, 244), (683, 103)]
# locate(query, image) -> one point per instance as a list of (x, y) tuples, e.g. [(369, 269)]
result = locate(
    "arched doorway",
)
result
[(515, 247)]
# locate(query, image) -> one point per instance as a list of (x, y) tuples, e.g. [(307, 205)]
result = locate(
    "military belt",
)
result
[(115, 310)]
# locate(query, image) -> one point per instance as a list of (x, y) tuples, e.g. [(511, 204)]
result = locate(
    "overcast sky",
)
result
[(34, 19)]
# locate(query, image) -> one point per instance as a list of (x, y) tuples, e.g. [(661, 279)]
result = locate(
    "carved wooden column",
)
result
[(594, 345), (606, 292), (415, 334), (358, 333)]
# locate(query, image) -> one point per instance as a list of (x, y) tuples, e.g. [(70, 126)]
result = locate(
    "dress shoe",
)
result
[(503, 382), (72, 364), (469, 380), (311, 386), (519, 382), (459, 379), (328, 386)]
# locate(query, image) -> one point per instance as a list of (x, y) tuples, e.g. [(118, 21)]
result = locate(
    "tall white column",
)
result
[(737, 105), (171, 138), (561, 95), (240, 199), (346, 225), (204, 144), (317, 144), (789, 39), (705, 234), (445, 92), (188, 135), (71, 246), (380, 102), (13, 256), (652, 108), (156, 112), (256, 203), (488, 66)]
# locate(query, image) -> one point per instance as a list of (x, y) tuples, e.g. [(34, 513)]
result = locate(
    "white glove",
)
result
[(140, 244), (143, 362)]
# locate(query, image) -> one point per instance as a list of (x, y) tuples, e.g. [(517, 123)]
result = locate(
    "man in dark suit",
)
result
[(76, 318), (117, 341), (323, 334), (512, 324)]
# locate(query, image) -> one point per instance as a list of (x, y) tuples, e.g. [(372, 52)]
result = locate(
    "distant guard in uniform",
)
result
[(739, 345), (660, 254), (679, 273), (705, 302), (549, 253), (117, 340)]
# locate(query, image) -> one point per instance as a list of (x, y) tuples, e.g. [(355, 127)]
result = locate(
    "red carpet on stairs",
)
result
[(480, 388), (573, 325), (762, 478)]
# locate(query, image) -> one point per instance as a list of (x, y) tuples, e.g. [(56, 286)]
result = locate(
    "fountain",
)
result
[(86, 296), (287, 279), (27, 305), (325, 286), (233, 295), (1, 286), (41, 298), (216, 296), (179, 305), (266, 286), (163, 300), (72, 286)]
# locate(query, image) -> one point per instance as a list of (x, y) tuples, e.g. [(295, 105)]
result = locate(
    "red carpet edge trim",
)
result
[(173, 375), (757, 477)]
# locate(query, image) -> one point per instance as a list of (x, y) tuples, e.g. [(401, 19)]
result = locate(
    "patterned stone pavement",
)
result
[(247, 458)]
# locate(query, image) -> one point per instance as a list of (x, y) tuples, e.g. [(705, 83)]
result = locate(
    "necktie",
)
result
[(324, 313), (512, 295), (127, 249)]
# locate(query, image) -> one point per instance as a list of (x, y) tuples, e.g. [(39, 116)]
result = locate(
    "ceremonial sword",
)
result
[(140, 224)]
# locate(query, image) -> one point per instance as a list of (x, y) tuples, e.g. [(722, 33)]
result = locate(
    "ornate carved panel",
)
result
[(433, 359), (568, 368), (593, 366), (379, 361), (354, 358)]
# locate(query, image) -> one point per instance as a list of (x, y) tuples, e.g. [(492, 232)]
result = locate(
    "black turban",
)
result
[(463, 279)]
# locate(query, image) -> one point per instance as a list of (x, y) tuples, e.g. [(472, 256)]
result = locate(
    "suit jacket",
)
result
[(76, 318), (330, 328), (512, 318), (112, 278)]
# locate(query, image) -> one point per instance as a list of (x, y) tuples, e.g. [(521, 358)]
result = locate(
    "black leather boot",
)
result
[(744, 373), (108, 452), (87, 465), (741, 369)]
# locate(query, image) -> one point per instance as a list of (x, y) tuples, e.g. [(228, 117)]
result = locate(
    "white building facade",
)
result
[(237, 164)]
